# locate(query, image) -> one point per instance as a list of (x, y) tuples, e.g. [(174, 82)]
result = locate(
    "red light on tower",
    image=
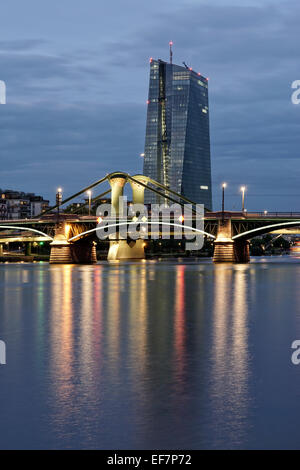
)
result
[(148, 101), (171, 51), (207, 79), (151, 60), (199, 74)]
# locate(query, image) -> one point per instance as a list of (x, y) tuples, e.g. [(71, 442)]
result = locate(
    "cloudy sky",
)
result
[(77, 82)]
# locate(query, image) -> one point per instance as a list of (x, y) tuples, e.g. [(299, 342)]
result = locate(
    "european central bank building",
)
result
[(177, 146)]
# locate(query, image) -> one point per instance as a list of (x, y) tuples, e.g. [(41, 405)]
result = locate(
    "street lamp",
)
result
[(89, 193), (224, 185), (58, 200), (243, 189)]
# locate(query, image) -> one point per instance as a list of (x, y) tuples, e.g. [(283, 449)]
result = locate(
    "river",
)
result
[(172, 354)]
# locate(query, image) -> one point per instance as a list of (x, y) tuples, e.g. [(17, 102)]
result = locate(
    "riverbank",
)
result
[(18, 258)]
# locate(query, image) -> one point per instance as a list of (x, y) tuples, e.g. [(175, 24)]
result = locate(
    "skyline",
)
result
[(150, 227), (67, 101)]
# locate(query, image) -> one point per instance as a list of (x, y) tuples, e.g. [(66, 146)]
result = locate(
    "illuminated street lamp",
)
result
[(58, 200), (243, 189), (89, 193)]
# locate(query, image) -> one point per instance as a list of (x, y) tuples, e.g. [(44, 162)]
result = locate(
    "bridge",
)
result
[(73, 237)]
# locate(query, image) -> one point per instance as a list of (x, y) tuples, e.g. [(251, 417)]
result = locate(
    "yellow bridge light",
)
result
[(67, 230)]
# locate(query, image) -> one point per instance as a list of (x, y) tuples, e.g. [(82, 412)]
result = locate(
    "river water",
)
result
[(172, 354)]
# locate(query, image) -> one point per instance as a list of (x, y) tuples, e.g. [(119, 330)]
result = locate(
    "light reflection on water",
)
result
[(150, 355)]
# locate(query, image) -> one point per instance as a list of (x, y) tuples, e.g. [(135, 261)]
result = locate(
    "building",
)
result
[(19, 205), (177, 146)]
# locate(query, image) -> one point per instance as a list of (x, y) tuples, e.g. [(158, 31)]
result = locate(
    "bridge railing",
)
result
[(272, 214), (249, 214)]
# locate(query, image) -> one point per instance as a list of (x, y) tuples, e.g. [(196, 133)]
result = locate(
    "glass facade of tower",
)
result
[(177, 147)]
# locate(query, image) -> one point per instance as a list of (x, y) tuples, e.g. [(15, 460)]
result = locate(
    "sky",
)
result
[(77, 82)]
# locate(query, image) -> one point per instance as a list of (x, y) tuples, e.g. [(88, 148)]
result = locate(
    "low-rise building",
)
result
[(20, 205)]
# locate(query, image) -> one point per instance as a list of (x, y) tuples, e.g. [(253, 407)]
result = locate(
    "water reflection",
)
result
[(230, 365), (135, 355), (112, 326), (112, 290), (138, 312), (62, 343), (180, 326)]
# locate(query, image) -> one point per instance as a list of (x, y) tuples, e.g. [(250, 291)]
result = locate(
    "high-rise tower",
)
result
[(177, 147)]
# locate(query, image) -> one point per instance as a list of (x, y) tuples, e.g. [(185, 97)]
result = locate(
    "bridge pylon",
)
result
[(228, 250), (117, 182), (138, 191), (120, 248)]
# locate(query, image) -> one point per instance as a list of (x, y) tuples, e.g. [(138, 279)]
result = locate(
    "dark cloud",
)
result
[(21, 44), (70, 146), (77, 112)]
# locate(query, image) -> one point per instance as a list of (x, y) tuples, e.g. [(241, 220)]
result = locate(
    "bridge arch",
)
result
[(187, 227), (27, 229), (265, 229)]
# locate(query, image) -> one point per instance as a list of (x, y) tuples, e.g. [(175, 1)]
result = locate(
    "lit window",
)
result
[(203, 187)]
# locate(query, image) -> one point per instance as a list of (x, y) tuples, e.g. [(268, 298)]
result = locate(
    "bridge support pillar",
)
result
[(1, 249), (84, 253), (28, 249), (64, 252), (242, 251), (224, 245), (61, 251), (228, 250), (121, 249), (224, 252)]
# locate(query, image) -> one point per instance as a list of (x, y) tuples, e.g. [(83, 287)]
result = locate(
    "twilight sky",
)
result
[(77, 83)]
